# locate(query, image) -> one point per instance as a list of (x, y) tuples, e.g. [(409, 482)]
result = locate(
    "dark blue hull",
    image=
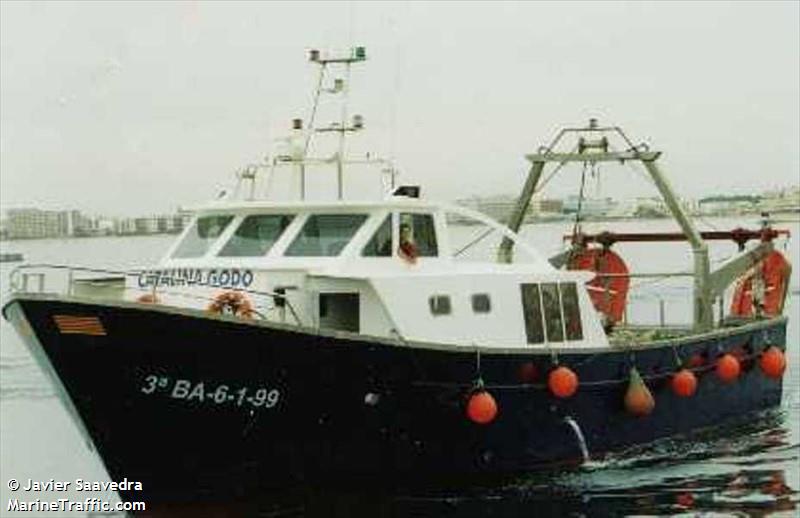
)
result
[(203, 407)]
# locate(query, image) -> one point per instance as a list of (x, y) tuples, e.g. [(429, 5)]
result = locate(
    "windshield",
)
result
[(325, 234), (202, 235), (256, 235)]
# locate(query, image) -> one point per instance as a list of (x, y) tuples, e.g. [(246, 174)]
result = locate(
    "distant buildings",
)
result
[(30, 223), (774, 202), (778, 201), (499, 207)]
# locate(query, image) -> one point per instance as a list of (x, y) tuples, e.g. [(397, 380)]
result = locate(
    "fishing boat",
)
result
[(304, 340)]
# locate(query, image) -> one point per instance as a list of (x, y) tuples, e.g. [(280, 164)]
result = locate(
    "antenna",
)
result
[(342, 87), (295, 149)]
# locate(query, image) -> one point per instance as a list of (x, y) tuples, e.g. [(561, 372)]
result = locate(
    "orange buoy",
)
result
[(684, 383), (148, 298), (728, 368), (638, 399), (562, 382), (773, 362), (481, 408)]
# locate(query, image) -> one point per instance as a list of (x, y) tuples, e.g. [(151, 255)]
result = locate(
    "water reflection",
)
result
[(715, 472)]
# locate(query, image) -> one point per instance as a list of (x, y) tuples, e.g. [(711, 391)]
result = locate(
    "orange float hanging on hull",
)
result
[(609, 290), (774, 272)]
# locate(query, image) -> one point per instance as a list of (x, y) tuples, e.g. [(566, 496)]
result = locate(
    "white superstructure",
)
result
[(342, 266)]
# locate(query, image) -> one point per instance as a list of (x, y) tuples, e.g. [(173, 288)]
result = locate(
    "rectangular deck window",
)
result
[(481, 303), (202, 234), (551, 300), (325, 235), (572, 311), (256, 235), (532, 311)]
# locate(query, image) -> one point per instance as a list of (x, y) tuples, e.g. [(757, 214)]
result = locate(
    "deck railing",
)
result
[(33, 278)]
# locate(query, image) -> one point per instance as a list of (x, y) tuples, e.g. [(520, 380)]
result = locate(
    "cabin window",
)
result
[(325, 235), (440, 305), (481, 303), (532, 311), (381, 243), (256, 235), (551, 300), (418, 232), (202, 235), (572, 312)]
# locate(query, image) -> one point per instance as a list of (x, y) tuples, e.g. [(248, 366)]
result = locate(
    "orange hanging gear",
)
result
[(231, 303), (638, 399), (608, 293), (774, 272)]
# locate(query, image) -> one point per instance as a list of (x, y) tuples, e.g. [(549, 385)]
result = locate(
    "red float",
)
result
[(773, 362), (481, 408), (684, 383), (774, 271), (608, 293), (728, 368), (562, 382), (638, 399)]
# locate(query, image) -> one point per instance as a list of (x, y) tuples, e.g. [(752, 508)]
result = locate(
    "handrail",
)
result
[(14, 282)]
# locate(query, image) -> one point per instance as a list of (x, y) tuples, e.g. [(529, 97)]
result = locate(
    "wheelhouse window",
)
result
[(572, 312), (418, 235), (532, 311), (440, 305), (380, 245), (325, 235), (202, 234), (256, 235)]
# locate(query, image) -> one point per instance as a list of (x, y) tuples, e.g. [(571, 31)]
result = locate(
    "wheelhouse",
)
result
[(383, 269)]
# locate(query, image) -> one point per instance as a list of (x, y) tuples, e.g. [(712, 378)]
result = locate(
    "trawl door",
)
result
[(339, 311)]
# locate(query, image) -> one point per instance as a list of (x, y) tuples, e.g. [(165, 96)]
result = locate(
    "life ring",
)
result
[(609, 293), (231, 303), (148, 298), (763, 289)]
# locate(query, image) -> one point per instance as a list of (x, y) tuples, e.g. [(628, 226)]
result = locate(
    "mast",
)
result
[(340, 87), (593, 147), (298, 146)]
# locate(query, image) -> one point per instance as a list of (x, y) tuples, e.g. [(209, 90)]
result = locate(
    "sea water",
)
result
[(752, 468)]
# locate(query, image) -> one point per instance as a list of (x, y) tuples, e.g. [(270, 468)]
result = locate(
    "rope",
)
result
[(598, 383)]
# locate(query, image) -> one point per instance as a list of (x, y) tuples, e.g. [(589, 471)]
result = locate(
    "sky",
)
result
[(134, 108)]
